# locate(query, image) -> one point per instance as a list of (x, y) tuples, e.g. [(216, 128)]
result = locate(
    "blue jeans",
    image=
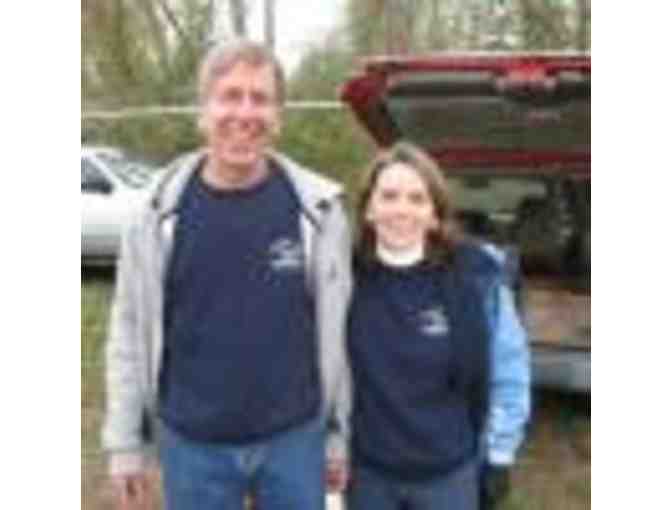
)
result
[(371, 490), (284, 472)]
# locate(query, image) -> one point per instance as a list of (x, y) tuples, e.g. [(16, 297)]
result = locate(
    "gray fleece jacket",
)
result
[(135, 342)]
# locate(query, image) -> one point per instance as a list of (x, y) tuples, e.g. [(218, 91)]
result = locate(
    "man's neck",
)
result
[(231, 178)]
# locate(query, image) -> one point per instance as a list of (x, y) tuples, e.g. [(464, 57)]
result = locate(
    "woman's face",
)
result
[(400, 210)]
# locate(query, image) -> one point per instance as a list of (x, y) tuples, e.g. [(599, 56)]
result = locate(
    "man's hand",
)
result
[(495, 485), (337, 475), (131, 491)]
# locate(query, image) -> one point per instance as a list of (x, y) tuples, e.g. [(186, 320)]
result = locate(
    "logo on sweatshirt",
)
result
[(434, 322), (285, 254)]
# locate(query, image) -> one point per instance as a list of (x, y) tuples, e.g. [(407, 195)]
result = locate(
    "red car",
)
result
[(512, 133)]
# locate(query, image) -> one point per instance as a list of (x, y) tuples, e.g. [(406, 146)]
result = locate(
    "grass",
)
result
[(96, 294), (553, 472)]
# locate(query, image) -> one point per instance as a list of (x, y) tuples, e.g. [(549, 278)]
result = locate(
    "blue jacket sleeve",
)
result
[(510, 378)]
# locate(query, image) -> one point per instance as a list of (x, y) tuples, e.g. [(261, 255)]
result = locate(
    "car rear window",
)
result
[(491, 122), (457, 109), (134, 172)]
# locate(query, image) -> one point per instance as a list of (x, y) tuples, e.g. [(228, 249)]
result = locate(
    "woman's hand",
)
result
[(337, 475)]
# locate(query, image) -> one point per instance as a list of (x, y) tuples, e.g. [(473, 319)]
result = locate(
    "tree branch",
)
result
[(172, 19)]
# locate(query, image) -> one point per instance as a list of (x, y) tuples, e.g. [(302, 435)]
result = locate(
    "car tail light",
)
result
[(526, 80)]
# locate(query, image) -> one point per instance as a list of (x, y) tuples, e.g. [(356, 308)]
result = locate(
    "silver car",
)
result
[(112, 182)]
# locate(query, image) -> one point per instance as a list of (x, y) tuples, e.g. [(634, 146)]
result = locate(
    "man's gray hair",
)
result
[(222, 57)]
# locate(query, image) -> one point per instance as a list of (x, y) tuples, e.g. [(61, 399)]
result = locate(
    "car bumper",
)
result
[(561, 369)]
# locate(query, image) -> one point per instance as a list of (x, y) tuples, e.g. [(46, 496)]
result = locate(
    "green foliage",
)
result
[(159, 138), (320, 74), (328, 141), (95, 302)]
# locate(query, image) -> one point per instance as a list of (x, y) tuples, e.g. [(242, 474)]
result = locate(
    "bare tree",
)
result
[(156, 29), (130, 56), (366, 24), (544, 25), (239, 17), (435, 27), (583, 23), (402, 26), (269, 23), (174, 22), (402, 16)]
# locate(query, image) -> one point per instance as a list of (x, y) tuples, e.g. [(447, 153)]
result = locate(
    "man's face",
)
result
[(241, 115)]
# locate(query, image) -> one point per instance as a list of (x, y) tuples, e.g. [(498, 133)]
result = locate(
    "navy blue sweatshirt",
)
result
[(418, 340), (240, 362)]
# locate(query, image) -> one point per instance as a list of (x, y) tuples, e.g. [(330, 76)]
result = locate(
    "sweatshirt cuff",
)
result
[(498, 458), (126, 463)]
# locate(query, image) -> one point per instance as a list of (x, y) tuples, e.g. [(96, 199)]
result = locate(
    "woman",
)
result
[(440, 362)]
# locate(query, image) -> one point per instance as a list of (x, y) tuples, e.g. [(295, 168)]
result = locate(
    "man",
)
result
[(228, 318)]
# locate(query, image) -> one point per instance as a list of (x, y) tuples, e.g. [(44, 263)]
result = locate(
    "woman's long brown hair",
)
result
[(441, 241)]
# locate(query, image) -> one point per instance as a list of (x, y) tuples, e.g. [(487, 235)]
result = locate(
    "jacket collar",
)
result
[(315, 193)]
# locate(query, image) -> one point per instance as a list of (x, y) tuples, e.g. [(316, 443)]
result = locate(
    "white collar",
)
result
[(400, 258)]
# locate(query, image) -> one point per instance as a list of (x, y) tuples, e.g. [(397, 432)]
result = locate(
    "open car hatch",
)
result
[(512, 134), (474, 110)]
